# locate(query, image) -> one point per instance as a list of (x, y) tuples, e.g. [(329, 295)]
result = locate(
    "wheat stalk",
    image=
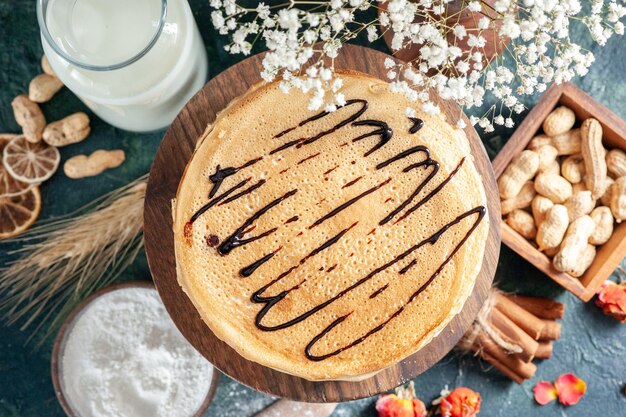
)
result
[(64, 260)]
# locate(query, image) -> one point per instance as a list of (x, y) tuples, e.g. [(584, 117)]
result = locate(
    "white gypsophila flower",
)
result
[(263, 10), (431, 109), (337, 84), (474, 6), (372, 33), (336, 4), (326, 74), (484, 23), (452, 59), (459, 31)]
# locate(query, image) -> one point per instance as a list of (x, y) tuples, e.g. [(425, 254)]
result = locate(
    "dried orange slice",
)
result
[(28, 162), (4, 139), (9, 186), (19, 212)]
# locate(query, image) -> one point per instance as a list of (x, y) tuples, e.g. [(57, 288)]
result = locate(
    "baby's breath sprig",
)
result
[(453, 58)]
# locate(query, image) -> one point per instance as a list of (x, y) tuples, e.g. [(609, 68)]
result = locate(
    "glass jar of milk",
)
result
[(135, 63)]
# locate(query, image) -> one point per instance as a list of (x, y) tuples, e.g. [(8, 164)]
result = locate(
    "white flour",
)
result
[(125, 358)]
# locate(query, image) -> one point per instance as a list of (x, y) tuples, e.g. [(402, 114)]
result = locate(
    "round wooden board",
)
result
[(167, 169)]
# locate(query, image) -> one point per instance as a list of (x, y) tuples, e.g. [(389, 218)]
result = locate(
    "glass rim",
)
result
[(46, 34)]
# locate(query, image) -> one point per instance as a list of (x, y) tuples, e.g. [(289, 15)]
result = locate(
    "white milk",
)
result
[(146, 94)]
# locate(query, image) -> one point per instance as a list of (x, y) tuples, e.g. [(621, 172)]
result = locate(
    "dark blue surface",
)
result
[(592, 345)]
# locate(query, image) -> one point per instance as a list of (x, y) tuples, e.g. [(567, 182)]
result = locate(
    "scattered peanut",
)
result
[(521, 169), (72, 129), (551, 231), (553, 168), (540, 206), (520, 201), (579, 204), (594, 157), (555, 187), (616, 162), (45, 66), (603, 219), (573, 168), (523, 223), (605, 200), (574, 244), (559, 121), (547, 155), (618, 199), (567, 143), (29, 116), (539, 141), (585, 261), (81, 166), (43, 87), (550, 252), (578, 187)]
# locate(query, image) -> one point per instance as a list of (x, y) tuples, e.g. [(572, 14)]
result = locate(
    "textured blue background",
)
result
[(592, 345)]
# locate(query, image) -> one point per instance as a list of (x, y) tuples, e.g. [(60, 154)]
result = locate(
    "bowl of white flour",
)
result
[(119, 354)]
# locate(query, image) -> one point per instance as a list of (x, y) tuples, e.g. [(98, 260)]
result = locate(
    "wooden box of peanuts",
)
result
[(562, 182)]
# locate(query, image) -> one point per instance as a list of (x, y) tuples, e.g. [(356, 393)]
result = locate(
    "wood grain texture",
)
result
[(167, 169), (609, 255)]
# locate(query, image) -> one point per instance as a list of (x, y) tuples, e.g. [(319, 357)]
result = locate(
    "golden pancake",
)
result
[(329, 245)]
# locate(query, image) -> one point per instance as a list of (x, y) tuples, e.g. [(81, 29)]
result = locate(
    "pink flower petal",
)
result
[(392, 406), (544, 392), (462, 402), (570, 389), (419, 409), (612, 300)]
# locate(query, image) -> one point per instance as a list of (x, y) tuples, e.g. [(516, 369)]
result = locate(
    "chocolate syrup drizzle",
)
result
[(249, 270), (222, 173), (479, 211), (417, 125), (351, 183), (428, 162), (379, 291), (258, 297), (292, 219), (349, 203), (306, 141), (384, 131), (237, 238)]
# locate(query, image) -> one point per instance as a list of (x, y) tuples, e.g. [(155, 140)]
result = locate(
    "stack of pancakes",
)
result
[(329, 245)]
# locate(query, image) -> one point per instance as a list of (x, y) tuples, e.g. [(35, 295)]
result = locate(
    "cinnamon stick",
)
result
[(527, 321), (513, 362), (544, 308), (512, 333), (551, 330), (544, 351), (502, 368)]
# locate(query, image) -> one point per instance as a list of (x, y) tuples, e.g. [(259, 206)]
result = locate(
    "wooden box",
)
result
[(612, 252)]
